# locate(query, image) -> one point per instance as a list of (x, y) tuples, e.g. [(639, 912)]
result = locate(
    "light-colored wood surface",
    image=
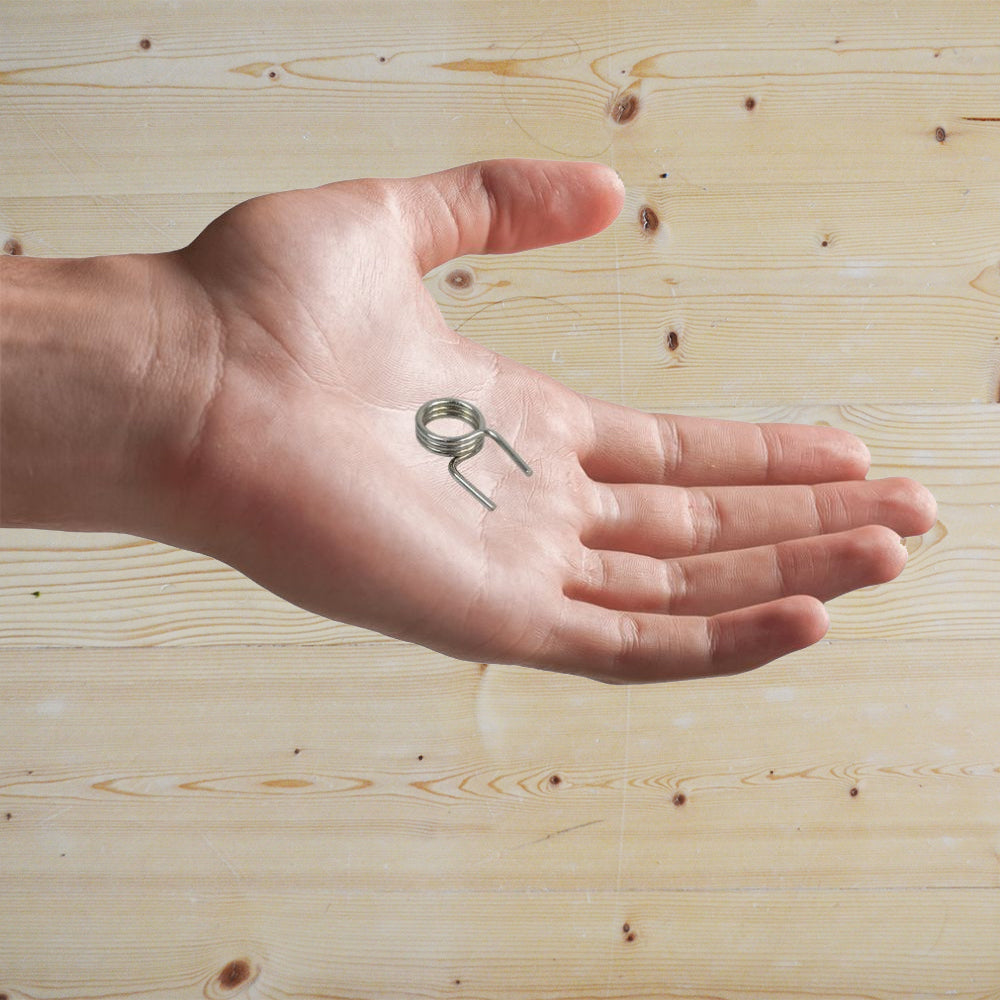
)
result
[(206, 792)]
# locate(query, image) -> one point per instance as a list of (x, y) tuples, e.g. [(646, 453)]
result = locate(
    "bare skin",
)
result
[(252, 397)]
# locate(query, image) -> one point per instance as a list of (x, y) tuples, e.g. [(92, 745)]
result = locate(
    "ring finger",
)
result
[(822, 567)]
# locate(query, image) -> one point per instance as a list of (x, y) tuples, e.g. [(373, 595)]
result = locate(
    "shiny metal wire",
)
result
[(461, 446)]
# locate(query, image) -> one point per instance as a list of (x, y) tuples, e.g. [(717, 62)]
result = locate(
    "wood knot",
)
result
[(623, 108), (460, 279), (234, 976)]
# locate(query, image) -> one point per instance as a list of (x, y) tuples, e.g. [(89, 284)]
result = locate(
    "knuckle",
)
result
[(704, 522), (715, 642), (785, 567), (611, 507), (829, 509), (675, 586), (596, 571), (670, 442), (771, 447), (625, 662)]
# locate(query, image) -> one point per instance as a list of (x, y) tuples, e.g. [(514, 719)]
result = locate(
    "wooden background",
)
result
[(205, 792)]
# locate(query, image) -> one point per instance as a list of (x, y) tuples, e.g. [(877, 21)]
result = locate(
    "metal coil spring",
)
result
[(461, 446)]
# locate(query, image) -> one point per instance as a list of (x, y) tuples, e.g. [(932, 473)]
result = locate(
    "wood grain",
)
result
[(205, 792), (309, 943), (494, 777), (254, 808), (857, 94)]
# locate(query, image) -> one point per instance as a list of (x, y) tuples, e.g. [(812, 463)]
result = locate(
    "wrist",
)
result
[(98, 393)]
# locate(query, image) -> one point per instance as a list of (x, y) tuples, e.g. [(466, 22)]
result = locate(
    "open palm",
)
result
[(643, 547)]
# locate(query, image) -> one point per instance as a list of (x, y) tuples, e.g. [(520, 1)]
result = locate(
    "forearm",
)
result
[(94, 393)]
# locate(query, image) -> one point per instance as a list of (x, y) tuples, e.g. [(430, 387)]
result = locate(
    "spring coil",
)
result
[(461, 446)]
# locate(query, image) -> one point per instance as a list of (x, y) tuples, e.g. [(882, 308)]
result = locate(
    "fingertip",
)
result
[(925, 507), (862, 457), (874, 553), (894, 554), (856, 455), (791, 623), (813, 620), (834, 453), (611, 179), (800, 621), (909, 507), (508, 205), (931, 511), (595, 189), (751, 637)]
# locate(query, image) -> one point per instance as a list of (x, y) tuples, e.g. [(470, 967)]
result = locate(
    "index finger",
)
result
[(630, 446)]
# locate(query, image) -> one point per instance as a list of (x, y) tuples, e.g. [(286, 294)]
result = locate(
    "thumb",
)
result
[(502, 206)]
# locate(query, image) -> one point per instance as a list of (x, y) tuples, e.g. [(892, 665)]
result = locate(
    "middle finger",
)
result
[(669, 521)]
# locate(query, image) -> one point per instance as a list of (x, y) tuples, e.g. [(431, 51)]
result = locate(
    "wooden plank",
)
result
[(323, 88), (853, 765), (557, 946), (107, 590), (748, 348)]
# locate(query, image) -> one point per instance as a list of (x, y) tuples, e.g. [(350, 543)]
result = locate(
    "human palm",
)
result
[(642, 548)]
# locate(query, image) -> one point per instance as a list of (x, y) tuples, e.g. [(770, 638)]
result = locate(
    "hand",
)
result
[(253, 397), (643, 548)]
